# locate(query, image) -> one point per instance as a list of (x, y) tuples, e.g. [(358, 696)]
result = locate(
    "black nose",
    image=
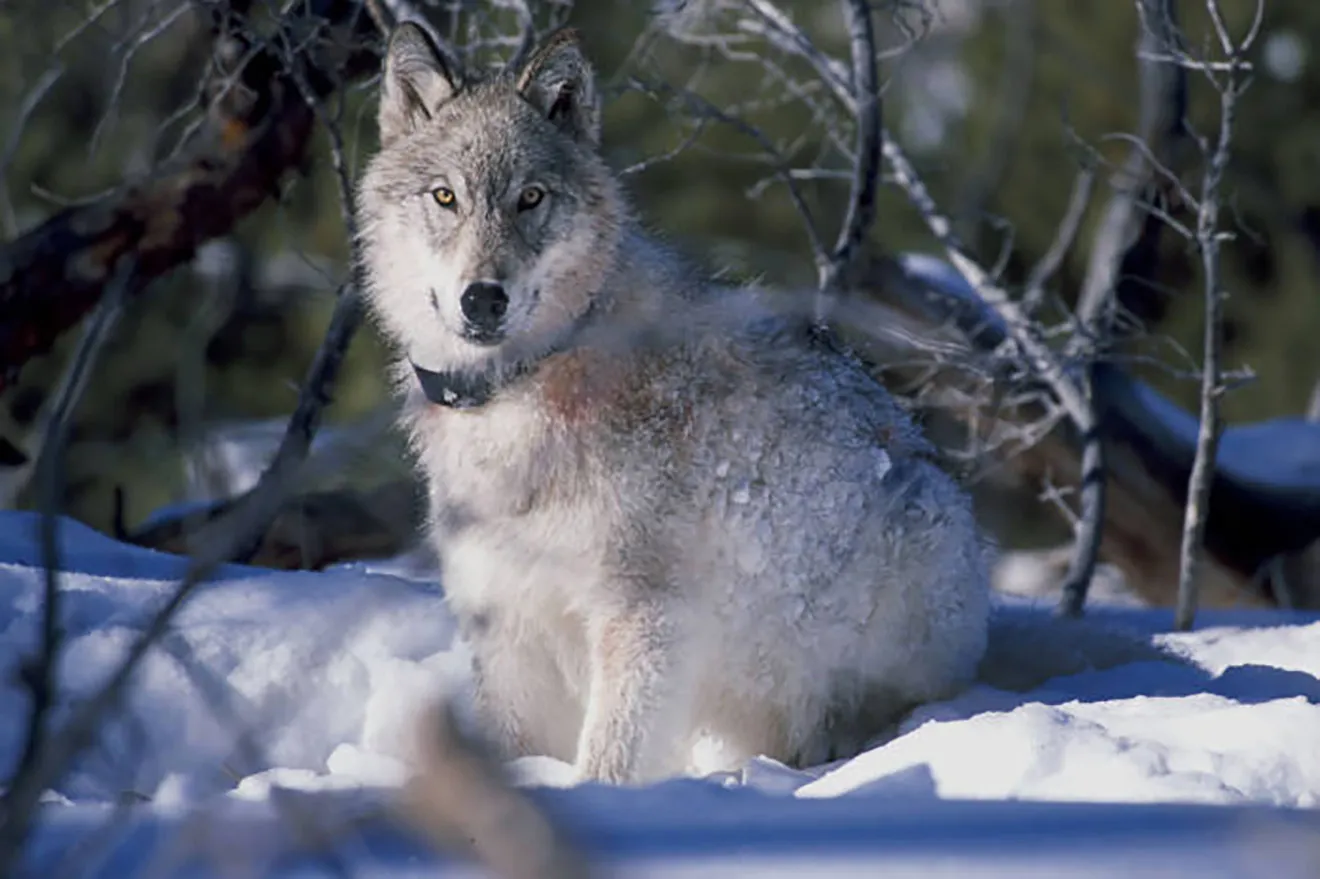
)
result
[(484, 305)]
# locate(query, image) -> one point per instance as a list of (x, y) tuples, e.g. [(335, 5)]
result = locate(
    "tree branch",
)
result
[(1017, 325), (1161, 127), (1121, 238), (237, 527), (256, 132), (866, 161), (318, 388), (40, 671), (1209, 237)]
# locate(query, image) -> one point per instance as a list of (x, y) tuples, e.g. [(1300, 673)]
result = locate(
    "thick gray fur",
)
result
[(687, 520)]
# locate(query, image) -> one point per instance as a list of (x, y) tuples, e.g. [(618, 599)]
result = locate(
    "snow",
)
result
[(1102, 769)]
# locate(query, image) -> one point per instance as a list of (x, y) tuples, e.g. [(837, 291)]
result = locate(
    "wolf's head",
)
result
[(489, 219)]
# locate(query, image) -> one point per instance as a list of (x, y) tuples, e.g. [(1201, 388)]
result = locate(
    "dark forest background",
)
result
[(998, 104)]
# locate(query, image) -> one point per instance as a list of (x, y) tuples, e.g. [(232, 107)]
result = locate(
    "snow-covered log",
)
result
[(1265, 500)]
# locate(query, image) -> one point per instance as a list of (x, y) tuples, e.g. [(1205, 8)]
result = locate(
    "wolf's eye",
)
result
[(444, 196), (530, 198)]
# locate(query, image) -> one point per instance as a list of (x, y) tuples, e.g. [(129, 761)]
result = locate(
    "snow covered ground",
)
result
[(1206, 767)]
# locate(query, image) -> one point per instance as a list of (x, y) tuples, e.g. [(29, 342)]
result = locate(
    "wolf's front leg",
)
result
[(640, 699), (522, 703)]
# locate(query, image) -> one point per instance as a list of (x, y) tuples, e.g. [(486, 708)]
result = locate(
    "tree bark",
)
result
[(254, 135)]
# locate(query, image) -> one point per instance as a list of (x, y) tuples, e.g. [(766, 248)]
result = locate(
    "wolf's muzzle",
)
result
[(484, 306)]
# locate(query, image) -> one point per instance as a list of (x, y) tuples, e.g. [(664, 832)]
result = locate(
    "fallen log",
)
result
[(311, 530), (1265, 498)]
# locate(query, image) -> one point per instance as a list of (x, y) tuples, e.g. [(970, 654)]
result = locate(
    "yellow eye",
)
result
[(444, 197), (530, 198)]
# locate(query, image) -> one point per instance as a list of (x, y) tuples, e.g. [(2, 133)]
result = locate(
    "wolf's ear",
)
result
[(561, 84), (419, 77)]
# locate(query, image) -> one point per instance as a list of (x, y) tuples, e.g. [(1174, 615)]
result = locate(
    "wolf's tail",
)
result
[(1029, 645)]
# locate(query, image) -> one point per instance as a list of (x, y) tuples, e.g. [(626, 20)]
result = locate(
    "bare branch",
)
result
[(832, 73), (39, 672), (460, 799), (243, 521), (1149, 454), (1019, 327), (1163, 108), (1045, 269), (1209, 238), (1163, 96), (318, 388), (29, 104), (1073, 396), (317, 391), (139, 40), (695, 106), (526, 34), (290, 84), (51, 276), (1121, 238), (1090, 525), (866, 160)]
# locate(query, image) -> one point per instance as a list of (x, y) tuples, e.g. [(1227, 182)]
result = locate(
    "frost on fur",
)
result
[(674, 514)]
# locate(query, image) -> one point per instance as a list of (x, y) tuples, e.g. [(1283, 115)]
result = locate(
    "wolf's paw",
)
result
[(607, 768)]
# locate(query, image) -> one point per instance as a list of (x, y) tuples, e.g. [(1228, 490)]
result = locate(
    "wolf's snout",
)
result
[(484, 305)]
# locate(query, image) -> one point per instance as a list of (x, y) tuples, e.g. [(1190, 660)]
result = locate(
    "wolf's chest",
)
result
[(515, 515), (490, 463), (536, 565)]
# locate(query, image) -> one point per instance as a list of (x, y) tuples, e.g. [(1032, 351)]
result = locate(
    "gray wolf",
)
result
[(663, 512)]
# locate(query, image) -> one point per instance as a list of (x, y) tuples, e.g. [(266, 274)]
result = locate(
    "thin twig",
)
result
[(1209, 238), (831, 72), (866, 161), (526, 35), (1163, 105), (140, 40), (318, 388), (40, 671), (1064, 236), (693, 104), (1019, 327), (28, 106), (248, 518)]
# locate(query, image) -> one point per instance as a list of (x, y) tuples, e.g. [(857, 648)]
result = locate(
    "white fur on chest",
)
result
[(516, 520)]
